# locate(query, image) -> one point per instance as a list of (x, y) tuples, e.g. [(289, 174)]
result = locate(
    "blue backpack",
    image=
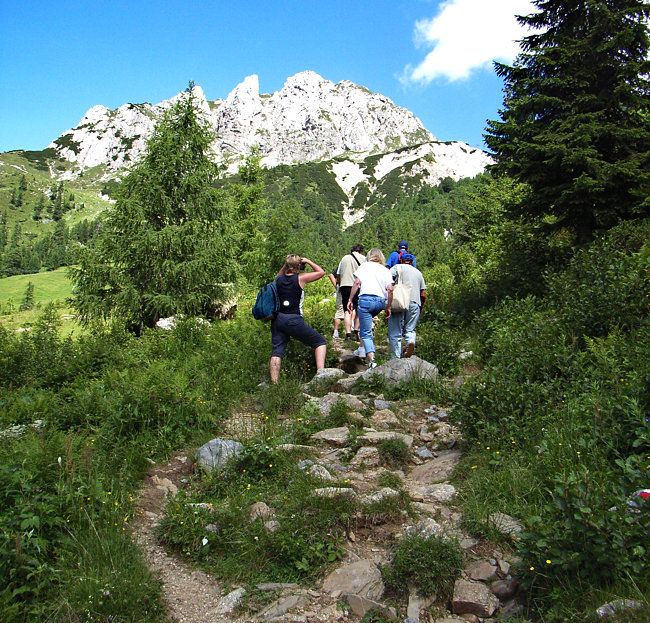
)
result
[(267, 303)]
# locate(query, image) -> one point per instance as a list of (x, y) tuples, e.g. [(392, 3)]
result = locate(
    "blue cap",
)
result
[(407, 257), (403, 245)]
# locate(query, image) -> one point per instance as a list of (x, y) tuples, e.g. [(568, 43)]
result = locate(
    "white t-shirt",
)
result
[(375, 279)]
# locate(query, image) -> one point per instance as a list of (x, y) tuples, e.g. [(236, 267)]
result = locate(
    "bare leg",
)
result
[(347, 322), (274, 368), (319, 354)]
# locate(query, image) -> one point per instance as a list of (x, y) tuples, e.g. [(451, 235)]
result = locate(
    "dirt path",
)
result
[(191, 595)]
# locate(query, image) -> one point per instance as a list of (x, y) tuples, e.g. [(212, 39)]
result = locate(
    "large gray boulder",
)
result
[(396, 371), (214, 455)]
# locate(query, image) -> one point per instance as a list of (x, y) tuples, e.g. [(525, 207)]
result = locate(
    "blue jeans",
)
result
[(369, 306), (402, 323)]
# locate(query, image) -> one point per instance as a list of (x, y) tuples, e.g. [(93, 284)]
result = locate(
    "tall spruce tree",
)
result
[(165, 247), (575, 125)]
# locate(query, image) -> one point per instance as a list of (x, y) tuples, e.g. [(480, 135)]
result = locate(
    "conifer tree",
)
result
[(575, 124), (38, 208), (28, 299), (165, 247), (4, 236)]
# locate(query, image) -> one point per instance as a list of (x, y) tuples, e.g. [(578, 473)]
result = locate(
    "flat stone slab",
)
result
[(367, 456), (379, 496), (336, 436), (326, 376), (326, 403), (438, 469), (332, 492), (282, 606), (377, 436), (427, 529), (432, 493), (360, 606), (228, 603), (482, 570), (384, 419), (358, 578)]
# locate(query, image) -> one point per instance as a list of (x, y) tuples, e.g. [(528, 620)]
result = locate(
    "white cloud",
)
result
[(467, 35)]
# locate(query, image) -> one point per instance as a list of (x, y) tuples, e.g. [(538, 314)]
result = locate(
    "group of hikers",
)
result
[(365, 286)]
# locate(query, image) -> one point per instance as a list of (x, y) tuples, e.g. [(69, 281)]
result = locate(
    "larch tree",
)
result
[(575, 125), (165, 247)]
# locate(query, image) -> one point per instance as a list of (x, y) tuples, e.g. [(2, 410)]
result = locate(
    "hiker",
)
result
[(339, 314), (345, 272), (401, 324), (374, 283), (393, 258), (289, 322)]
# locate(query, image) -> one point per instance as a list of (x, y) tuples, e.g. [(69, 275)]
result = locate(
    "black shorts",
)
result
[(345, 296), (286, 326)]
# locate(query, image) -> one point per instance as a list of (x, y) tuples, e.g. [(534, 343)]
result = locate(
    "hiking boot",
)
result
[(335, 334), (360, 352), (348, 337), (409, 351), (356, 335), (372, 365)]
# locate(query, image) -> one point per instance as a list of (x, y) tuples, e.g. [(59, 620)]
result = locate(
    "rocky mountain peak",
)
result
[(310, 118)]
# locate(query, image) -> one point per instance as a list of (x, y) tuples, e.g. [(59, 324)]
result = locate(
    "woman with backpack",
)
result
[(288, 322)]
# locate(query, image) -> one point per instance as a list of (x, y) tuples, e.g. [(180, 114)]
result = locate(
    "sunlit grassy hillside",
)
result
[(49, 287)]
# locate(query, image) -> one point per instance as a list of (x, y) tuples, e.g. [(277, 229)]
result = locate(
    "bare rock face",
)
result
[(309, 119)]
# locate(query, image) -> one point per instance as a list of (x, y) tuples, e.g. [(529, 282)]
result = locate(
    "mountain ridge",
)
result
[(309, 119), (369, 147)]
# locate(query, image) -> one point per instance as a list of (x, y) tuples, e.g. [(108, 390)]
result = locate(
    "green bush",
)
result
[(605, 285), (394, 452), (563, 407), (586, 528), (430, 564)]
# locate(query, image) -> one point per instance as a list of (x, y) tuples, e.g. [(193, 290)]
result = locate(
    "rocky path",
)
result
[(486, 586), (191, 595)]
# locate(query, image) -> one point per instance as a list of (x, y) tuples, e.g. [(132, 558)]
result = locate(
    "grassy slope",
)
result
[(38, 175), (49, 287)]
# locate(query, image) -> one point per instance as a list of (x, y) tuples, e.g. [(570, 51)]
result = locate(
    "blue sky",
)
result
[(433, 57)]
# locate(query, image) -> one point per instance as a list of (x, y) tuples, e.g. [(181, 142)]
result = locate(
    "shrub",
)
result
[(605, 285), (394, 452), (588, 529), (431, 565)]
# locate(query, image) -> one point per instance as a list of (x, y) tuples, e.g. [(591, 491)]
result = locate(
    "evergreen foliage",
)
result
[(28, 299), (575, 124), (167, 245)]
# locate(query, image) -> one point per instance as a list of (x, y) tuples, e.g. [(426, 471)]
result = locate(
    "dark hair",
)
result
[(357, 247)]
